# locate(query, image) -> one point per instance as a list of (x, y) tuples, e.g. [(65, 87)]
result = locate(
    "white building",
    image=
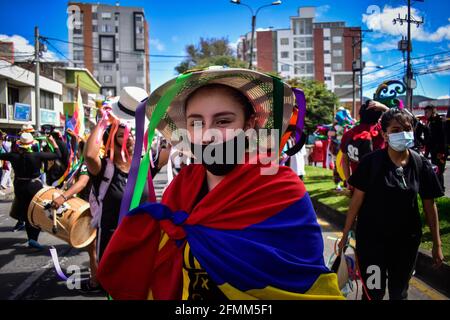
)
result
[(17, 98)]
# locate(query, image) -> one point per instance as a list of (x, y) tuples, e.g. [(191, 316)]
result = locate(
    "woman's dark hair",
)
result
[(403, 117), (237, 95), (106, 135), (369, 116), (81, 146)]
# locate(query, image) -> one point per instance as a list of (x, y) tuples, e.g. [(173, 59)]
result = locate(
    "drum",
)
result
[(72, 222)]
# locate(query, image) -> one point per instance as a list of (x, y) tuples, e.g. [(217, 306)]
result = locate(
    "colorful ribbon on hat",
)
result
[(160, 110)]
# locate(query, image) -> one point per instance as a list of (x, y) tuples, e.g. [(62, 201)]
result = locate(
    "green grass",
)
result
[(320, 185)]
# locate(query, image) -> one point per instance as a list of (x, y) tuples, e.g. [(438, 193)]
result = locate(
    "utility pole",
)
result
[(354, 76), (357, 64), (409, 79), (250, 64), (37, 70)]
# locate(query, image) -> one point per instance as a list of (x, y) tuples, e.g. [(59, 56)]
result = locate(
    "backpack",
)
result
[(98, 194)]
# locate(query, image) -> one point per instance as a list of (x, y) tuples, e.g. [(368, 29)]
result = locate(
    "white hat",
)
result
[(26, 140), (124, 106), (27, 128)]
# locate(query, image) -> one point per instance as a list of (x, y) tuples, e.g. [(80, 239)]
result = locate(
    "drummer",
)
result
[(27, 183), (81, 189)]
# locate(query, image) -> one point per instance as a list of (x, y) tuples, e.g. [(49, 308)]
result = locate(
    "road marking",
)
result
[(426, 290), (18, 292)]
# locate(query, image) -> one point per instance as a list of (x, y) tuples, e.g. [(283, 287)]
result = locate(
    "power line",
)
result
[(116, 51)]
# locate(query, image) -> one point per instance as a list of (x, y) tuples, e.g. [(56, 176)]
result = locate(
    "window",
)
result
[(326, 38), (304, 68), (47, 100), (139, 30), (13, 95), (106, 15), (285, 67), (327, 78), (300, 43), (337, 39), (78, 55), (94, 28), (303, 56), (94, 16), (109, 91), (326, 52), (107, 49), (106, 28), (284, 41), (285, 54), (140, 80), (140, 67), (108, 67), (107, 79), (117, 16), (303, 26), (337, 53), (125, 80), (337, 66), (327, 65), (3, 111)]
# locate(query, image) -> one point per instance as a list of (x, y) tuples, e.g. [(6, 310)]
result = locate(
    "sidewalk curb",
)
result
[(438, 279)]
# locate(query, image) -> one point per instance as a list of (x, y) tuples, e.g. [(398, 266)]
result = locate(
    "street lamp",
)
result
[(254, 14)]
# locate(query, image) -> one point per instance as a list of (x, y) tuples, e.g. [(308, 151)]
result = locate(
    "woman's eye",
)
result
[(223, 122)]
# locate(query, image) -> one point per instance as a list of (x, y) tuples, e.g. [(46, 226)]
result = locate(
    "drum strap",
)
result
[(96, 198)]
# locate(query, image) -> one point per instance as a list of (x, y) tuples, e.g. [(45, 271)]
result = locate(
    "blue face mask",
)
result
[(401, 141)]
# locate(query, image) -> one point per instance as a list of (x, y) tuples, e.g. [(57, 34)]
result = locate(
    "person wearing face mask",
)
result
[(387, 183), (225, 228)]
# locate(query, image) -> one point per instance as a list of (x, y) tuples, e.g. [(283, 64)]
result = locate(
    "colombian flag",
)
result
[(256, 236)]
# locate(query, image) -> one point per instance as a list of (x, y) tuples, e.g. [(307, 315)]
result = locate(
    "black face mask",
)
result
[(223, 168)]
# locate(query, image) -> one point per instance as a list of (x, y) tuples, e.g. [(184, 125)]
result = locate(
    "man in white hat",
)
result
[(124, 106), (105, 207), (27, 165)]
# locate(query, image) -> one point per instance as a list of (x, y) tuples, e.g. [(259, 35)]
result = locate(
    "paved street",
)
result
[(28, 274)]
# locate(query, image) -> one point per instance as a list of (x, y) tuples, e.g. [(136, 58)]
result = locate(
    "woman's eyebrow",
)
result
[(226, 113), (194, 115)]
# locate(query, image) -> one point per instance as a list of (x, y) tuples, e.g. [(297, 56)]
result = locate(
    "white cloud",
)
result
[(175, 39), (443, 97), (373, 74), (383, 22), (233, 45), (320, 11), (365, 51), (157, 44), (386, 45), (24, 50), (262, 29)]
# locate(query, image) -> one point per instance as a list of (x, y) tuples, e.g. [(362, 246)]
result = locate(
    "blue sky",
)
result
[(173, 24)]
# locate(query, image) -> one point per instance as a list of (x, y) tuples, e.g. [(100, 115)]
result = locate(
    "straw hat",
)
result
[(256, 86), (27, 128), (26, 140)]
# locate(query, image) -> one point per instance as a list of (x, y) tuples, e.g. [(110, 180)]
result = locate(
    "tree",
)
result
[(209, 52), (320, 102)]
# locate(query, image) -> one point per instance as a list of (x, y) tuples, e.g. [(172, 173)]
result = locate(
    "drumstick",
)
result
[(55, 222)]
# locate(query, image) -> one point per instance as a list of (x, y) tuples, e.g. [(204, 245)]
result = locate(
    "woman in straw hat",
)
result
[(226, 228), (27, 183)]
